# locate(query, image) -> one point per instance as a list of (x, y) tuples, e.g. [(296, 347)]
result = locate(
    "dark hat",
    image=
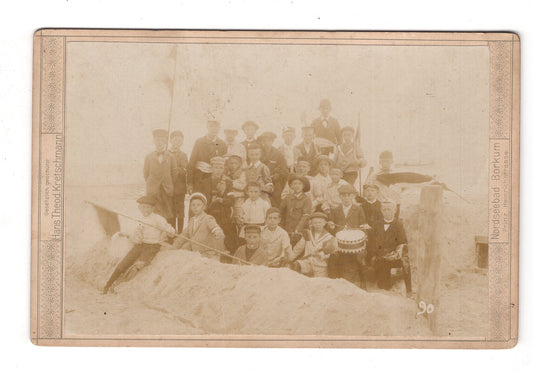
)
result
[(289, 130), (348, 129), (176, 133), (319, 215), (325, 103), (160, 133), (371, 186), (322, 158), (302, 179), (386, 155), (347, 189), (248, 123), (235, 156), (252, 228), (272, 210), (267, 135), (199, 196), (147, 199)]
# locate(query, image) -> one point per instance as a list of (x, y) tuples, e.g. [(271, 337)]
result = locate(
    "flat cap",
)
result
[(252, 229), (199, 196), (147, 199), (347, 189), (250, 123)]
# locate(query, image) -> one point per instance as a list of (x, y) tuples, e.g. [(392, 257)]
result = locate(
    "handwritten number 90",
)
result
[(429, 308)]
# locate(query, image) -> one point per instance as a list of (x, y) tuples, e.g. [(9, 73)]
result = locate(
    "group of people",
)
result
[(251, 202)]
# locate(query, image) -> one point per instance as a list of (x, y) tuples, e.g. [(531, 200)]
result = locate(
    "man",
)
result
[(327, 128), (159, 171), (390, 192), (371, 205), (387, 248), (348, 156), (307, 150), (180, 178), (234, 148), (287, 147), (274, 160), (204, 149)]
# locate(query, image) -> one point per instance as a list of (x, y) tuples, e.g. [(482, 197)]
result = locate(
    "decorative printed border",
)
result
[(48, 180)]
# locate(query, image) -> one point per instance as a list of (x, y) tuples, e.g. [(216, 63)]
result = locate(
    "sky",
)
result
[(423, 103)]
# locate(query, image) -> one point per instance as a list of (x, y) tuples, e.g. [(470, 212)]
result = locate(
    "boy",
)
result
[(370, 204), (327, 127), (159, 171), (258, 172), (204, 149), (147, 237), (274, 160), (180, 177), (275, 240), (307, 150), (287, 147), (296, 207), (388, 248), (253, 251), (235, 172), (316, 247), (202, 228), (319, 184), (254, 208), (301, 168), (347, 216), (348, 156), (333, 198), (390, 192), (234, 148), (250, 129)]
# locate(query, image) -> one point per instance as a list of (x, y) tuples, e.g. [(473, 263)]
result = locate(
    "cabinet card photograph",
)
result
[(275, 189)]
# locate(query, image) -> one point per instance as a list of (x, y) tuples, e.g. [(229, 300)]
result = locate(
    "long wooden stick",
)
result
[(174, 235)]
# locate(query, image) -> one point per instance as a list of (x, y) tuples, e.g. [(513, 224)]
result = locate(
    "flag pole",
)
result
[(172, 88), (356, 140)]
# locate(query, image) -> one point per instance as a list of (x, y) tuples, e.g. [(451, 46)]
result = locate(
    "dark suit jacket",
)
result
[(372, 211), (158, 174), (381, 242), (180, 178), (204, 150), (332, 132), (356, 217), (276, 163)]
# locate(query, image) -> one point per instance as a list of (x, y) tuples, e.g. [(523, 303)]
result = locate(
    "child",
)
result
[(202, 228), (315, 247), (287, 147), (250, 129), (254, 208), (234, 148), (274, 160), (159, 171), (348, 156), (253, 251), (319, 184), (296, 207), (371, 205), (148, 237), (302, 168), (180, 177), (333, 198), (307, 150), (258, 172), (275, 240), (235, 172)]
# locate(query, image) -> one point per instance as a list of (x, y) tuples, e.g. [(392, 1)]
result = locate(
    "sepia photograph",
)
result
[(275, 188)]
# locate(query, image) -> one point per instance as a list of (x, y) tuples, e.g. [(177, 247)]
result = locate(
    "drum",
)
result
[(351, 241)]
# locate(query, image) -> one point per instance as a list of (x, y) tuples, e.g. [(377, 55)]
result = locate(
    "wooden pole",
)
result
[(429, 251)]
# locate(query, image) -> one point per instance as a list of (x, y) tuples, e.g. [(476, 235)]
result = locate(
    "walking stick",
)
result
[(174, 235)]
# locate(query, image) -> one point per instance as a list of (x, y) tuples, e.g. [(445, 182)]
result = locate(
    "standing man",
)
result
[(274, 160), (205, 148), (327, 128), (159, 171), (180, 177), (287, 147)]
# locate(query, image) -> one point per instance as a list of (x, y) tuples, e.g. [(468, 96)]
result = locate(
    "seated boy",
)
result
[(302, 168), (147, 237), (333, 198), (202, 231), (275, 240), (296, 207), (316, 246), (254, 208), (253, 251)]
